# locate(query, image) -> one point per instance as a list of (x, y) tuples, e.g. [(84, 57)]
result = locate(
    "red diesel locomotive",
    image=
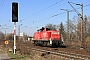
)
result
[(47, 37)]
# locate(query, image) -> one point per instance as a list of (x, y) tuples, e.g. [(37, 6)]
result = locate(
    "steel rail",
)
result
[(65, 54)]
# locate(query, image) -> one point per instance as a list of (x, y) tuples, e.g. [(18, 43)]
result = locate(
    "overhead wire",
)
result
[(41, 10), (1, 4), (48, 18), (56, 15), (52, 15)]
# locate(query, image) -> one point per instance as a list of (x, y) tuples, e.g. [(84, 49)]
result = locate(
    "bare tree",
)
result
[(9, 36), (2, 36), (51, 26), (87, 28), (62, 31)]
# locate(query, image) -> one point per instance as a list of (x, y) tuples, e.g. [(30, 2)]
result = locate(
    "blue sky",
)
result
[(37, 13)]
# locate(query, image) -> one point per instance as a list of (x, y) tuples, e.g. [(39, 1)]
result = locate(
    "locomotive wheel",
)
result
[(44, 43), (35, 43)]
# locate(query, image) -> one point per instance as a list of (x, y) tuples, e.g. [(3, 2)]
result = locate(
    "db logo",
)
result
[(44, 34)]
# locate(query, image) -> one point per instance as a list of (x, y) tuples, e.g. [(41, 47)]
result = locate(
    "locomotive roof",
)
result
[(42, 29)]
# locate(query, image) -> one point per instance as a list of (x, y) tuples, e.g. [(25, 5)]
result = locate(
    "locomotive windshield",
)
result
[(55, 32)]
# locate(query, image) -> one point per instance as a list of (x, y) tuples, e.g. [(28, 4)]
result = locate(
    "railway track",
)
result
[(27, 48), (64, 54)]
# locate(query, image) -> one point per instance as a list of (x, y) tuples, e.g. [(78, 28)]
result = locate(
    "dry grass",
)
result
[(2, 49)]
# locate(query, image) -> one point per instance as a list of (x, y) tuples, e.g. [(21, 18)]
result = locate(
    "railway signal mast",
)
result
[(14, 19)]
